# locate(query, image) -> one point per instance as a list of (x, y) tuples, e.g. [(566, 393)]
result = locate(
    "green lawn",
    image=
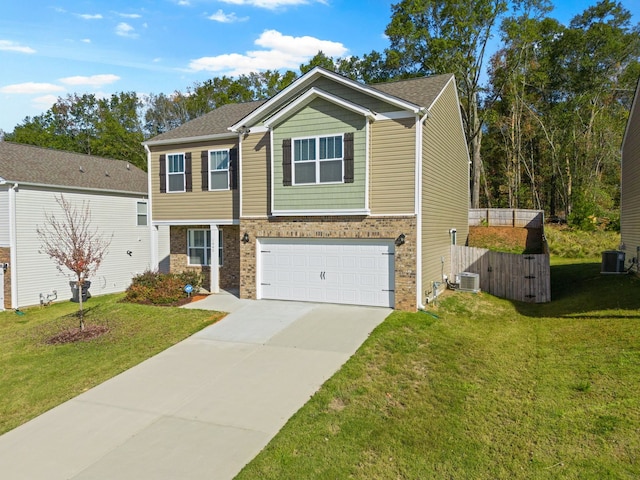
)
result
[(35, 377), (482, 388)]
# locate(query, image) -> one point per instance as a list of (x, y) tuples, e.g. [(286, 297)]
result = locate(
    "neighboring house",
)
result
[(330, 191), (630, 187), (30, 180)]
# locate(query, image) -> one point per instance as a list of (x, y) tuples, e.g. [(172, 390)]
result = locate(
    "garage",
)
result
[(347, 271)]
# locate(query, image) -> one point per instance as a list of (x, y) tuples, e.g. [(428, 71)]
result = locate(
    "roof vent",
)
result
[(81, 169), (106, 173), (128, 166)]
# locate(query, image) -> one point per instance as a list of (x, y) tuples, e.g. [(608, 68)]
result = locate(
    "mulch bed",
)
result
[(71, 335)]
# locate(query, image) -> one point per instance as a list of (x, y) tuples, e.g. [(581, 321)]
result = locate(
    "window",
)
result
[(141, 211), (219, 170), (318, 160), (175, 177), (199, 247)]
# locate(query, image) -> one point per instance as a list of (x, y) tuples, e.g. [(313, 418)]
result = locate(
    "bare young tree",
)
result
[(72, 243)]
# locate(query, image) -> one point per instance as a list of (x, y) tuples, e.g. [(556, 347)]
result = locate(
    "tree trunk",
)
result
[(80, 311)]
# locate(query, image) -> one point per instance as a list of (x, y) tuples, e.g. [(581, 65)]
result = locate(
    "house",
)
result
[(630, 186), (330, 191), (31, 178)]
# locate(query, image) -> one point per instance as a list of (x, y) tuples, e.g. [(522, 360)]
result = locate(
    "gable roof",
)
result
[(216, 122), (43, 166), (421, 91), (416, 94)]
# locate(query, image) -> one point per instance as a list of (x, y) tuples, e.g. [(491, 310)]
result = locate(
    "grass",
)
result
[(35, 377), (572, 243), (482, 388)]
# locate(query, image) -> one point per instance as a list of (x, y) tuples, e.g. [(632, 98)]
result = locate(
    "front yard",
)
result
[(36, 376), (482, 388)]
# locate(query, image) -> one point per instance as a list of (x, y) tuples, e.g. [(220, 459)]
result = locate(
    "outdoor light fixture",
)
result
[(400, 239), (245, 238)]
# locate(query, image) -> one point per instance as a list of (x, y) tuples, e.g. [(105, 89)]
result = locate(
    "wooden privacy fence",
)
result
[(525, 278), (505, 217)]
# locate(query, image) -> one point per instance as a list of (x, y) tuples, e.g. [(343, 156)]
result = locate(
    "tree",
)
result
[(72, 243), (448, 36)]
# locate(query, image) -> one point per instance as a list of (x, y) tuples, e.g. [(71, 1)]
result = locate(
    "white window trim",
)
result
[(207, 249), (211, 169), (146, 214), (317, 160), (184, 176)]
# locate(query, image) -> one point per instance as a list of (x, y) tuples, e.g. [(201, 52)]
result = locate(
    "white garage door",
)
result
[(356, 272)]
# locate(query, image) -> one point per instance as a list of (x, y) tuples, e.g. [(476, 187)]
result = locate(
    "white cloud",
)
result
[(222, 17), (86, 40), (125, 30), (31, 88), (281, 51), (272, 4), (89, 16), (129, 15), (9, 46), (45, 102), (93, 81), (184, 3)]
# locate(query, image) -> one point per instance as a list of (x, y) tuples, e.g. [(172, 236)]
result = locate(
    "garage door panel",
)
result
[(327, 270)]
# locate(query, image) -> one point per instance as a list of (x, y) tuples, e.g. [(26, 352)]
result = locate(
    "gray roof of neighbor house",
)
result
[(420, 91), (35, 165)]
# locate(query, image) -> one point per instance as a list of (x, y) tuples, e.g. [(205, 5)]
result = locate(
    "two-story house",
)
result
[(330, 191)]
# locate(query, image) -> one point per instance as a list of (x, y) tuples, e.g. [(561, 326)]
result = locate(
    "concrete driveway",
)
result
[(201, 409)]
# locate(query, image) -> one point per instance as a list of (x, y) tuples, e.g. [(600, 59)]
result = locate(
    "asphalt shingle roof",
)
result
[(418, 91), (30, 164), (215, 122)]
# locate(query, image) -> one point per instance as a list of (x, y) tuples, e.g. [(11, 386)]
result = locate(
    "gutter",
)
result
[(13, 243)]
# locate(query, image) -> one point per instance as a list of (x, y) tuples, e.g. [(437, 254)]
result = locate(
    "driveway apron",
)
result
[(202, 408)]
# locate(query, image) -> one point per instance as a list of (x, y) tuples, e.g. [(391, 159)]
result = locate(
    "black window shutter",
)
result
[(187, 172), (204, 157), (286, 162), (233, 168), (348, 158), (163, 173)]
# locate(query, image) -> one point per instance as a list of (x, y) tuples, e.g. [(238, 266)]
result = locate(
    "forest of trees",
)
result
[(544, 104)]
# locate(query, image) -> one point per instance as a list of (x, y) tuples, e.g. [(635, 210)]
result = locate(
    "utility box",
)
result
[(75, 296), (612, 262), (469, 282)]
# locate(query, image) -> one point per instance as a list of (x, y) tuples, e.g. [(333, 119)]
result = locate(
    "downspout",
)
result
[(13, 245), (418, 209), (153, 231)]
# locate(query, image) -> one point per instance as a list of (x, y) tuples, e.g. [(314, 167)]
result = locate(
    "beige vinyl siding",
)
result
[(197, 204), (630, 189), (393, 167), (445, 187), (321, 118), (255, 175)]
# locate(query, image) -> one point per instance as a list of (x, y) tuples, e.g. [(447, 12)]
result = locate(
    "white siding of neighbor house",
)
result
[(630, 186), (4, 216), (111, 214)]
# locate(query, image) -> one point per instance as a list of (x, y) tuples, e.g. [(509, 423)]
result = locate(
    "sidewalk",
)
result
[(201, 409)]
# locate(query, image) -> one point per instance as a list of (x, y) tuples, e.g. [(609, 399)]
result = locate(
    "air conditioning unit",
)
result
[(469, 282), (612, 262)]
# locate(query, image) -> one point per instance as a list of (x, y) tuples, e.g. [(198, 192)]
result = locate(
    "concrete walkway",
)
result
[(201, 409)]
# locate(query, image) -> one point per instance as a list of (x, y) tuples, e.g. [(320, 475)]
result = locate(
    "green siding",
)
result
[(321, 118)]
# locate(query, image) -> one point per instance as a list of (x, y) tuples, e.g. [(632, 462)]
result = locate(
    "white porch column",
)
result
[(214, 286)]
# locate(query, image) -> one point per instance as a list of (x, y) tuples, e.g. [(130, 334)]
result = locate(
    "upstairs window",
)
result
[(175, 172), (219, 170), (141, 212), (318, 160)]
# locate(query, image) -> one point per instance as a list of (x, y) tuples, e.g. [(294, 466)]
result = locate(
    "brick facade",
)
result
[(5, 258), (229, 271), (336, 227)]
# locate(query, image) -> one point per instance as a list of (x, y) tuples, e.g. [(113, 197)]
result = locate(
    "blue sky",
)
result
[(52, 48)]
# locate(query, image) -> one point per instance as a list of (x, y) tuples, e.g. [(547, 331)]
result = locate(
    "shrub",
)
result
[(161, 288)]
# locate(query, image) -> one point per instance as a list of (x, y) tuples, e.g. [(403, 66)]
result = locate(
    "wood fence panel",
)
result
[(525, 278)]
